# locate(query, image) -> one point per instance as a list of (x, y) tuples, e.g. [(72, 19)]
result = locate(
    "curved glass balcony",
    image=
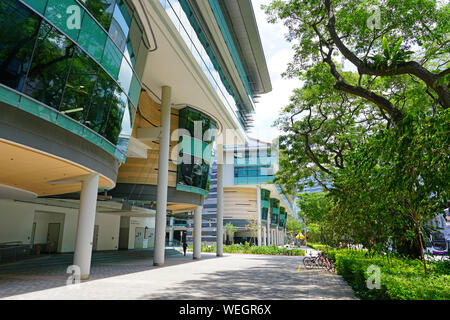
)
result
[(59, 62), (193, 173)]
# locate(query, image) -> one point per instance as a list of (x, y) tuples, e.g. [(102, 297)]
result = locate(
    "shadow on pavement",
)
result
[(50, 271), (278, 279)]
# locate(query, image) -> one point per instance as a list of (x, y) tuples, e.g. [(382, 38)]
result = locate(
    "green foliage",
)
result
[(378, 135), (293, 226), (401, 279), (246, 248)]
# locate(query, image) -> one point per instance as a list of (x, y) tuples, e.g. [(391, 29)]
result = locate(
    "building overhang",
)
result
[(173, 64), (241, 20)]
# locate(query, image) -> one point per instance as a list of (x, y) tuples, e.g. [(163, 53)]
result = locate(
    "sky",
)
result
[(278, 54)]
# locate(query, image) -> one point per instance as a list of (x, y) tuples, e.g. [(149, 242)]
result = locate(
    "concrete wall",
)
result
[(142, 222), (108, 234), (16, 221), (17, 218)]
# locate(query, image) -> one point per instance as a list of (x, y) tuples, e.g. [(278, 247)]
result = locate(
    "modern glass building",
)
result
[(248, 193), (100, 101)]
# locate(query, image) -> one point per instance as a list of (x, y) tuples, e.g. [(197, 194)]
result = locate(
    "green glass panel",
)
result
[(265, 203), (125, 75), (135, 91), (37, 109), (66, 15), (116, 112), (9, 97), (51, 63), (102, 99), (38, 5), (92, 38), (112, 59), (19, 27), (69, 125), (79, 87), (102, 10)]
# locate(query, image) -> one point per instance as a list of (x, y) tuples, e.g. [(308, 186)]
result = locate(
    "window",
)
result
[(102, 10), (102, 99), (79, 87), (92, 38), (50, 66), (19, 28)]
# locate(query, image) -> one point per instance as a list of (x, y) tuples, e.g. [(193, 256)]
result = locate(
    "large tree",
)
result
[(322, 29), (359, 127)]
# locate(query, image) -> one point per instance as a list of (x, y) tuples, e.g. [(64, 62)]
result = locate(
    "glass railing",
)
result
[(69, 69)]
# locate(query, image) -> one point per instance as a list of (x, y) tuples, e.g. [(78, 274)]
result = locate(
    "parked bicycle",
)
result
[(319, 261)]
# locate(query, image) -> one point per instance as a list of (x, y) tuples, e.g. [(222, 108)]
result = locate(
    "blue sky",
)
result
[(278, 53)]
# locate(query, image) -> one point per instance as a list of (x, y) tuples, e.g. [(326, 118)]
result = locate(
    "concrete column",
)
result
[(219, 223), (171, 231), (258, 213), (86, 220), (278, 236), (268, 227), (163, 178), (198, 232), (264, 236)]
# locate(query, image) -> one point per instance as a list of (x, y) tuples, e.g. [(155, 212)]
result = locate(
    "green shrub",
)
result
[(401, 278), (246, 248)]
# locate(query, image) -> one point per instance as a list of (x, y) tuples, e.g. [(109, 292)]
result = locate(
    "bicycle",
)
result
[(321, 260)]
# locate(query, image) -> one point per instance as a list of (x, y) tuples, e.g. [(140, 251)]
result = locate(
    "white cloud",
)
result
[(278, 54)]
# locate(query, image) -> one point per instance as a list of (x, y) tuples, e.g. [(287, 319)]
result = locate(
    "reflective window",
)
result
[(103, 97), (119, 28), (118, 106), (92, 38), (264, 213), (50, 66), (45, 64), (19, 28), (125, 76), (79, 87), (112, 59), (102, 10), (195, 172)]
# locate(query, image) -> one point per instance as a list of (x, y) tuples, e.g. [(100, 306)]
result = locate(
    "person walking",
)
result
[(184, 247)]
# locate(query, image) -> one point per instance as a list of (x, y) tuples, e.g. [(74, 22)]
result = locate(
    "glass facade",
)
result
[(253, 166), (283, 217), (265, 198), (189, 29), (274, 211), (60, 54), (195, 151)]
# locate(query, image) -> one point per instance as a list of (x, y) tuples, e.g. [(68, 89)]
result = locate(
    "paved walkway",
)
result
[(234, 276)]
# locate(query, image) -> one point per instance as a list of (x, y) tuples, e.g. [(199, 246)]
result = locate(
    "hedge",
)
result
[(401, 278), (267, 250)]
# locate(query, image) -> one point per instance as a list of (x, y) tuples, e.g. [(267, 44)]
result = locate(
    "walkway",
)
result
[(234, 276)]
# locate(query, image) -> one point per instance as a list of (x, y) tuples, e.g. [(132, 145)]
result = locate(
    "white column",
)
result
[(264, 236), (278, 236), (219, 223), (268, 227), (163, 178), (86, 220), (171, 231), (198, 232), (258, 213)]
